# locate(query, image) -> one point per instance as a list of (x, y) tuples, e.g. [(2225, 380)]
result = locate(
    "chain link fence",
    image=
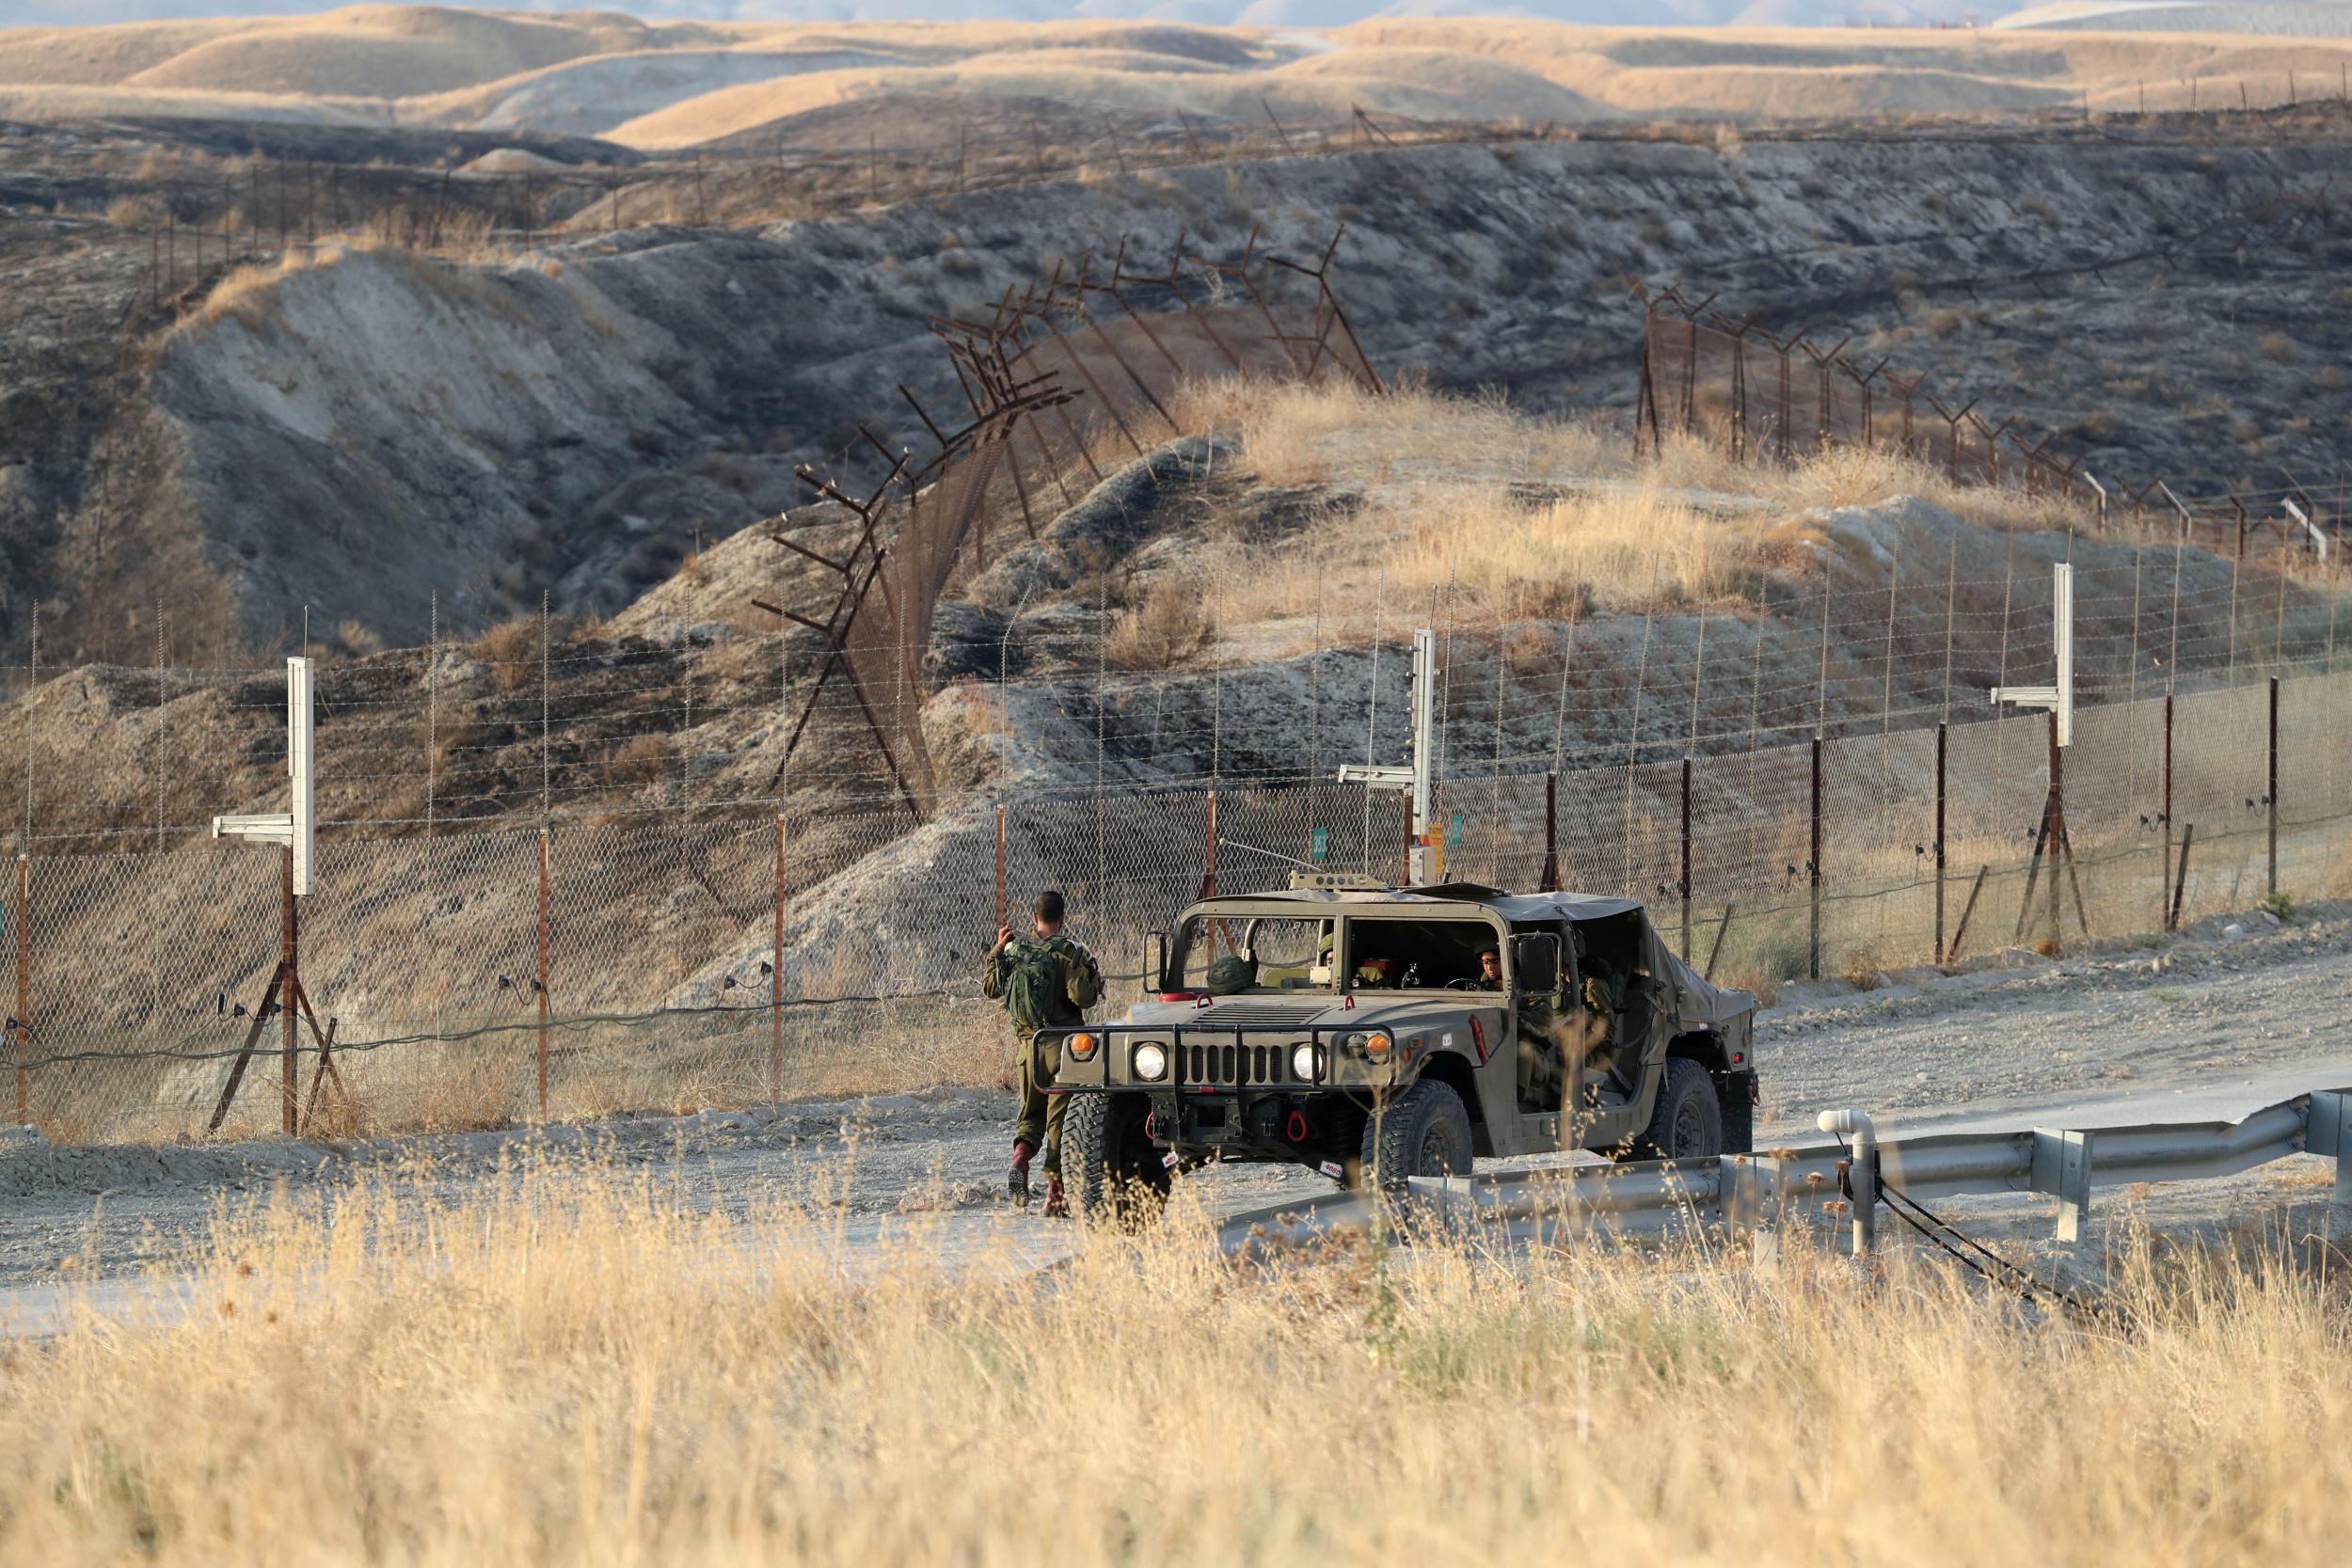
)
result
[(474, 978)]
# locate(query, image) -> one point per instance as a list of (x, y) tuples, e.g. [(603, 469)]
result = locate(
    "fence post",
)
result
[(2180, 878), (1942, 739), (2056, 832), (1813, 869), (2164, 886), (1686, 858), (775, 980), (543, 973), (2271, 794), (290, 955), (1000, 872), (24, 983), (1551, 834)]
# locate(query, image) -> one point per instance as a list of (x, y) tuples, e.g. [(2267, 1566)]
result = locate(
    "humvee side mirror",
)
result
[(1536, 962), (1156, 964)]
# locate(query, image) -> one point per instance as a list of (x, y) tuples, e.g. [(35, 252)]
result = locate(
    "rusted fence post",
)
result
[(1208, 870), (2058, 833), (775, 980), (290, 956), (2270, 796), (1813, 872), (1968, 909), (23, 984), (1686, 859), (2164, 884), (1942, 740), (1551, 834), (2180, 878), (544, 890)]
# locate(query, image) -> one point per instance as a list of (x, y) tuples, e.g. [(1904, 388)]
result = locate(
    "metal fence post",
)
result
[(2057, 833), (1000, 873), (775, 980), (2164, 817), (1551, 834), (1942, 739), (1813, 870), (290, 951), (543, 972), (1686, 858), (2270, 794), (24, 983)]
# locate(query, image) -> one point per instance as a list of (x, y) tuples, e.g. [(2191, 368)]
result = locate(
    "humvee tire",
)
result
[(1111, 1171), (1427, 1132), (1687, 1120)]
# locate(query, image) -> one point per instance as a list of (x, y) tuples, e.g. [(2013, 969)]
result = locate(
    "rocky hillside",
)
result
[(355, 436)]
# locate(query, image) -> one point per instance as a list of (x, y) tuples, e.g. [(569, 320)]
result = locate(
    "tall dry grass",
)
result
[(577, 1366), (1506, 514)]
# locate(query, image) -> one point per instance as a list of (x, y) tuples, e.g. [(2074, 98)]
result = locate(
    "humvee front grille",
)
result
[(1235, 1065), (1260, 1015)]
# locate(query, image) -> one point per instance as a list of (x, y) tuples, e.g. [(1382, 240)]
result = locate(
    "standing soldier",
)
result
[(1047, 982)]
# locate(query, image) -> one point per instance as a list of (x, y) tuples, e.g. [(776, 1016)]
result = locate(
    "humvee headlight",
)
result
[(1353, 1042), (1377, 1048), (1081, 1045), (1303, 1063), (1150, 1062)]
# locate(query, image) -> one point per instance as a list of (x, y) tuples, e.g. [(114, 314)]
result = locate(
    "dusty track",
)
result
[(2204, 1026)]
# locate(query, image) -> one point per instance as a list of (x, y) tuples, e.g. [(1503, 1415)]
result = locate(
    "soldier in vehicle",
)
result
[(1047, 980), (1598, 1031), (1490, 971)]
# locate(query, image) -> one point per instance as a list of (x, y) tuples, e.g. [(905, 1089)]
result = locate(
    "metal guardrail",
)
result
[(1749, 1193)]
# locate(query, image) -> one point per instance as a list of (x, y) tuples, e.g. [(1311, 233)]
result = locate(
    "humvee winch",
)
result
[(1357, 1032)]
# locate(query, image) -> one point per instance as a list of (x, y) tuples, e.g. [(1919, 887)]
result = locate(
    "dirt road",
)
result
[(2205, 1026)]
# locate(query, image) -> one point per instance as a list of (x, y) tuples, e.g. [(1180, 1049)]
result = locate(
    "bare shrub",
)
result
[(640, 760), (1173, 622), (511, 650)]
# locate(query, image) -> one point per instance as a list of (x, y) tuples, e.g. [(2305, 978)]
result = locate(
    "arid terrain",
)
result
[(665, 86), (765, 496)]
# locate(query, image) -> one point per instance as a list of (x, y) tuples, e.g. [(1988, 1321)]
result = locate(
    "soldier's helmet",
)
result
[(1229, 976)]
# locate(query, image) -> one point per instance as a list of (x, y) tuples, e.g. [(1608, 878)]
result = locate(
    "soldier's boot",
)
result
[(1017, 1182), (1056, 1206)]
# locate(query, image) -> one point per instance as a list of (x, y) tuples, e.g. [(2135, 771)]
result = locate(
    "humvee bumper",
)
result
[(1183, 1062)]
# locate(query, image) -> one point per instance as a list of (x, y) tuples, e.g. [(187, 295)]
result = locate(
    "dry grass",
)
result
[(1173, 622), (512, 651), (577, 1366), (1507, 514)]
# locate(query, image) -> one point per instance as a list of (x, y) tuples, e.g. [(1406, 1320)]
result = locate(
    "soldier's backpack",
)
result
[(1035, 990)]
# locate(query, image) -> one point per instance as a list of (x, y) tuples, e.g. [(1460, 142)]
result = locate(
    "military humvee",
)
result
[(1340, 998)]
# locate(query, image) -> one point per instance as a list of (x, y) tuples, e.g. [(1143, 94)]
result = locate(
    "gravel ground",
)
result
[(2207, 1025)]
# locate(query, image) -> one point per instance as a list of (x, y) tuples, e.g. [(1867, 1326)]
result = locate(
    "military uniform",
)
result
[(1046, 983)]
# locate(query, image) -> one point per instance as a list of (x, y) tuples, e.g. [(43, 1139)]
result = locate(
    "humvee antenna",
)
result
[(1421, 868), (1270, 854)]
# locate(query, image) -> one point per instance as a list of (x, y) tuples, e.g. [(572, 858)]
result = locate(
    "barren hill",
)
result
[(677, 83)]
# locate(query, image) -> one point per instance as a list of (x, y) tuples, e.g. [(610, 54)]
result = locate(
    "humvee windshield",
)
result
[(1283, 955), (1289, 954), (1415, 954)]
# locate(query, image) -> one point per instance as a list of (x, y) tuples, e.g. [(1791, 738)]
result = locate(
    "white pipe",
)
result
[(1863, 1175)]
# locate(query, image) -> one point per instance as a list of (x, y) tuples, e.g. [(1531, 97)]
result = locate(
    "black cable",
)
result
[(2029, 1285)]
